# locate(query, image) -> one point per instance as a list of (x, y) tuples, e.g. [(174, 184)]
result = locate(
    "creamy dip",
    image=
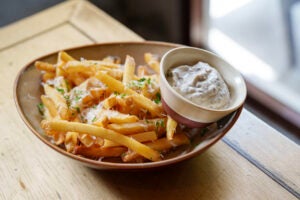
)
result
[(201, 84)]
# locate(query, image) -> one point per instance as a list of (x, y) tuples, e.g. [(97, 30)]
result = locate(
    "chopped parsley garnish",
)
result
[(41, 108), (60, 90), (94, 119), (116, 93), (157, 99), (149, 81), (122, 95), (141, 80), (67, 85), (67, 98), (78, 95), (75, 108), (139, 83), (160, 123)]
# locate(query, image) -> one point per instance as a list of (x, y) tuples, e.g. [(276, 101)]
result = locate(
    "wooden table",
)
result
[(253, 161)]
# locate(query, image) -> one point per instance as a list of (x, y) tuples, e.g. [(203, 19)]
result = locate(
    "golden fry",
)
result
[(152, 61), (171, 128), (49, 104), (71, 141), (129, 68), (162, 144), (96, 152), (117, 86), (140, 137), (43, 66), (65, 126), (59, 101)]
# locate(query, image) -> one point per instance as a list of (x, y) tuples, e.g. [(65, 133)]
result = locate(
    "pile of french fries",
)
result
[(105, 108)]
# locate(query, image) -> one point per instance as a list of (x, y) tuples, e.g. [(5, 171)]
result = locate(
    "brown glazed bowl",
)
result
[(182, 109), (27, 92)]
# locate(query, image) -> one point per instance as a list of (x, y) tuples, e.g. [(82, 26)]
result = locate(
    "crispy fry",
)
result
[(115, 85), (48, 76), (131, 128), (129, 68), (112, 59), (71, 141), (152, 61), (43, 66), (142, 71), (96, 152), (140, 137), (49, 104), (58, 100), (64, 57), (162, 144), (65, 126), (171, 128)]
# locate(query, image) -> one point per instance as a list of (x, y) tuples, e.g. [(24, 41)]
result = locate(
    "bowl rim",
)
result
[(109, 165), (178, 95)]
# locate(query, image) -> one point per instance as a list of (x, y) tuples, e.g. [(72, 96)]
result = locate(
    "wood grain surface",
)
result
[(253, 161)]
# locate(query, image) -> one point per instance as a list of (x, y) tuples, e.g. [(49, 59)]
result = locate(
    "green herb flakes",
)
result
[(41, 108)]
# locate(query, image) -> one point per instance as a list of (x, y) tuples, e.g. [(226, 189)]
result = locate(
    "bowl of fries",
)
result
[(101, 106)]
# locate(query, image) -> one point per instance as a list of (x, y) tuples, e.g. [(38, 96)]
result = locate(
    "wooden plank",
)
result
[(14, 58), (268, 149), (20, 151), (30, 26), (99, 26)]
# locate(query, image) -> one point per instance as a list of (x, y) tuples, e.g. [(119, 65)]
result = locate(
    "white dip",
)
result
[(201, 84)]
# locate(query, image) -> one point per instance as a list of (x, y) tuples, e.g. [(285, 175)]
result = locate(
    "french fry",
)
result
[(152, 61), (131, 128), (98, 63), (115, 85), (157, 125), (64, 57), (48, 76), (122, 118), (101, 121), (58, 100), (109, 102), (49, 104), (98, 93), (112, 59), (76, 78), (65, 126), (129, 68), (58, 138), (88, 140), (142, 71), (162, 144), (43, 66), (140, 137), (71, 140), (75, 66), (96, 152), (171, 127)]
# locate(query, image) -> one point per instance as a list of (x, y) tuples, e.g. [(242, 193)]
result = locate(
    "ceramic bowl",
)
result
[(27, 93), (182, 109)]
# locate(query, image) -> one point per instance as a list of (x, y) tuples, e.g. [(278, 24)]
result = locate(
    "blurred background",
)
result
[(261, 38)]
